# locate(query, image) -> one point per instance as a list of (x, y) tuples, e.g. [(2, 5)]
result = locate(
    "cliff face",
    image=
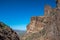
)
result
[(7, 33), (38, 22), (45, 27), (35, 25)]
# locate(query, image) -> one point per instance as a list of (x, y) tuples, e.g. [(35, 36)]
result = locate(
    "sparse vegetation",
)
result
[(36, 35), (2, 25), (6, 33)]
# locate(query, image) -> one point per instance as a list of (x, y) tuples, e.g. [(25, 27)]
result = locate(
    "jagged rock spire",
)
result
[(56, 1), (58, 4)]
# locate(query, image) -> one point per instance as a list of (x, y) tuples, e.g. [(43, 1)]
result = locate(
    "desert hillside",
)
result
[(6, 33)]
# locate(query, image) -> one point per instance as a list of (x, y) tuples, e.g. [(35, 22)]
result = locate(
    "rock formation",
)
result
[(6, 33), (45, 27), (36, 24)]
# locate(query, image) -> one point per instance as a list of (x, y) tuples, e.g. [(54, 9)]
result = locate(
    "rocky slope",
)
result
[(45, 27), (6, 33)]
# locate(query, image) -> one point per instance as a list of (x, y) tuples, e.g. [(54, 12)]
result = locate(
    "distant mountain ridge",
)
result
[(20, 32)]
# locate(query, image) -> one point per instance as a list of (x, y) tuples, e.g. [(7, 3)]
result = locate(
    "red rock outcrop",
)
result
[(45, 27)]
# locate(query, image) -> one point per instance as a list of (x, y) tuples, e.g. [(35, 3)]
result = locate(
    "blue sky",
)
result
[(17, 13)]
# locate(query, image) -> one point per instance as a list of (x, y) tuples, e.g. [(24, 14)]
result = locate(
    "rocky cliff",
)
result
[(36, 24), (45, 27), (6, 33)]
